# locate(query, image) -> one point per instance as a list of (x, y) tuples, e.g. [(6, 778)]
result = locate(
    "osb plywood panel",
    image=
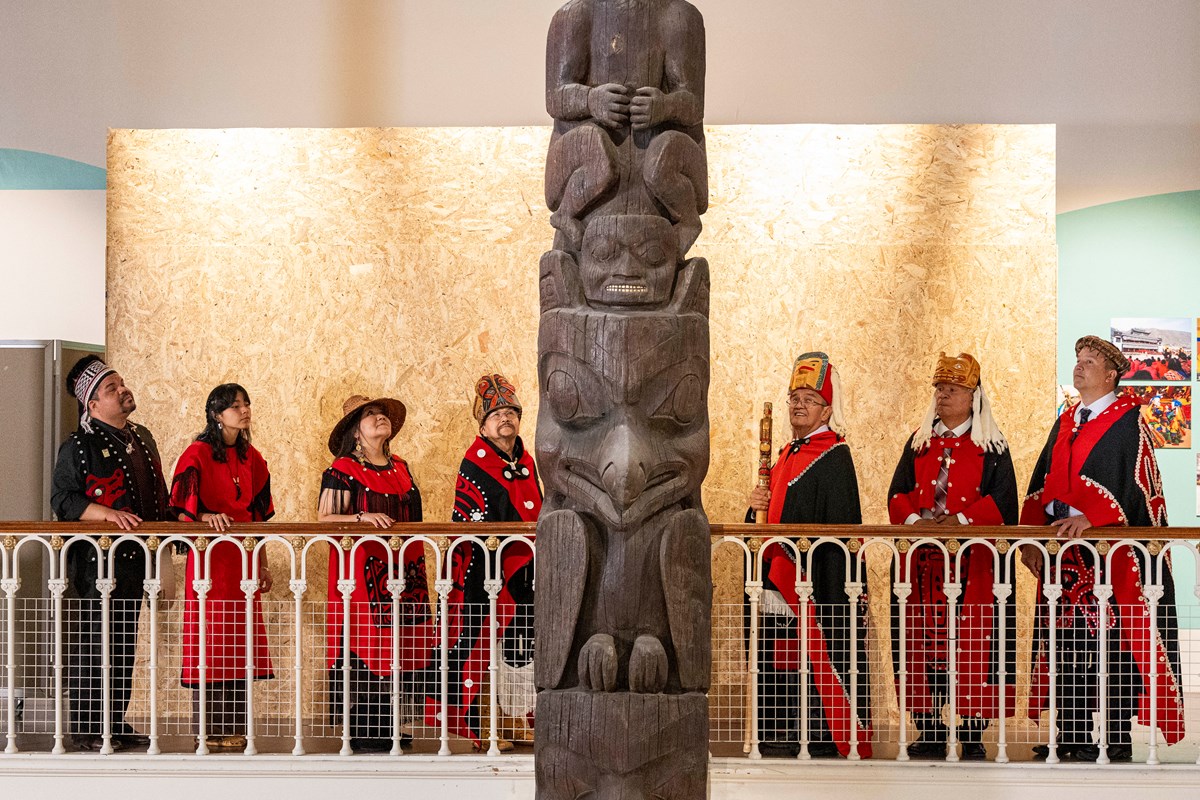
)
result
[(310, 264)]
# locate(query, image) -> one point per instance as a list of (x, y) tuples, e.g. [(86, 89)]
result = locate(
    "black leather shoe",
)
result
[(132, 741), (94, 744), (365, 745), (1090, 753), (974, 751), (1065, 752), (923, 749), (779, 749), (1120, 753), (823, 750)]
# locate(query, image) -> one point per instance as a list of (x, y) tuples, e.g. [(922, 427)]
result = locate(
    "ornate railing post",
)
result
[(202, 586), (105, 586), (153, 588), (297, 587), (58, 587), (10, 587)]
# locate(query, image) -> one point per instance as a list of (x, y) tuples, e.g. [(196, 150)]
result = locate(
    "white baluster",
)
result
[(395, 587), (201, 587), (10, 587), (1002, 591), (298, 587), (57, 587), (346, 587), (903, 590), (1103, 593), (105, 587), (853, 592), (492, 586), (1154, 593), (249, 587), (1053, 592), (953, 592), (754, 590), (804, 592), (442, 586), (153, 589)]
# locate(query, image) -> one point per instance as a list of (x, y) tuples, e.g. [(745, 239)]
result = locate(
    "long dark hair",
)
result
[(218, 400)]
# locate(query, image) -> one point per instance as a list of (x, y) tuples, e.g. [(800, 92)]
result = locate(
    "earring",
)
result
[(220, 426), (357, 446)]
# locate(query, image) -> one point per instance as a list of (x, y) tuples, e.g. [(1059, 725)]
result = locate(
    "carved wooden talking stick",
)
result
[(624, 589)]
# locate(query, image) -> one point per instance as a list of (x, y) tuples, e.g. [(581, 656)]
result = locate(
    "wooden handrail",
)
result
[(485, 529)]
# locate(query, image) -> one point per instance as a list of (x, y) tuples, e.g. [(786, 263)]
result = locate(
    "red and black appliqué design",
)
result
[(106, 491), (469, 501)]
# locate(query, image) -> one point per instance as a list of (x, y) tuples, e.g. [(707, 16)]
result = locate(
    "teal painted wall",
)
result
[(25, 169), (1136, 258)]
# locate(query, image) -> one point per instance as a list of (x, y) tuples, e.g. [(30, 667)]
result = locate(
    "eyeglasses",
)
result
[(808, 402)]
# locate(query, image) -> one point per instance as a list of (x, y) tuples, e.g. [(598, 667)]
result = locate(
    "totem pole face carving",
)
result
[(626, 435), (628, 260)]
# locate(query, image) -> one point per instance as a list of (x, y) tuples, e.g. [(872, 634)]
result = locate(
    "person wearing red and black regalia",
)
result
[(497, 482), (221, 479), (814, 482), (956, 469), (369, 484), (108, 470), (1098, 469)]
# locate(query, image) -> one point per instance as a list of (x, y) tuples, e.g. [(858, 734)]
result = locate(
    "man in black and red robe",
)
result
[(956, 469), (497, 482), (108, 470), (1098, 469), (813, 481)]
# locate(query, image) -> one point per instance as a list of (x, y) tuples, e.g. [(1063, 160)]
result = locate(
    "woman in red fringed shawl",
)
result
[(221, 480)]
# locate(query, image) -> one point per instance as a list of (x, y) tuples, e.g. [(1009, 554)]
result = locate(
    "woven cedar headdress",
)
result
[(813, 371), (492, 392), (1109, 351), (963, 370)]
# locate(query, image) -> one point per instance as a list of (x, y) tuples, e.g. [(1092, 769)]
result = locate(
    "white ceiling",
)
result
[(1118, 77)]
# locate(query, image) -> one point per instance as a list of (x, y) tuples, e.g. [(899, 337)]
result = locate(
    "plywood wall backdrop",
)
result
[(311, 264)]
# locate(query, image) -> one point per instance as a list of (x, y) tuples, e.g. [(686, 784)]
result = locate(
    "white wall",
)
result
[(1119, 78), (52, 265)]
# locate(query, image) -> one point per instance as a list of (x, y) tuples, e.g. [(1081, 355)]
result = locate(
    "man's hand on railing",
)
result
[(125, 520), (1072, 527)]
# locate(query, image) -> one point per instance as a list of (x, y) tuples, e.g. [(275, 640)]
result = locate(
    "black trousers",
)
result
[(1078, 687), (930, 724), (84, 642)]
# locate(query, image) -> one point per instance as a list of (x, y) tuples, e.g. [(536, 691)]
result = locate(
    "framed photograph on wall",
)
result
[(1168, 412), (1158, 348), (1067, 396)]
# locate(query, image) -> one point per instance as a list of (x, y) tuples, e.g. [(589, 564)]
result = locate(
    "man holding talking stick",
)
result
[(813, 482)]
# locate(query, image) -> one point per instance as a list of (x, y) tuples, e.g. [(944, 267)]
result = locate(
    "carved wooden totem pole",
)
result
[(623, 581)]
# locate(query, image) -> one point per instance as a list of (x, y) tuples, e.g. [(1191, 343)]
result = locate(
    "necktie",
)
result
[(1084, 415), (943, 479), (1061, 509)]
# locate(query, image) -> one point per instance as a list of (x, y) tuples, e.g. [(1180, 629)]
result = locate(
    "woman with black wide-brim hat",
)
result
[(367, 484)]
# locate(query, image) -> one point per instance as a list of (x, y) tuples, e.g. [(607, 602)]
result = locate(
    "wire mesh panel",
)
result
[(948, 658)]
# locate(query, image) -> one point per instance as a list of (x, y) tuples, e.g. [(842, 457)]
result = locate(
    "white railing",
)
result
[(840, 652)]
